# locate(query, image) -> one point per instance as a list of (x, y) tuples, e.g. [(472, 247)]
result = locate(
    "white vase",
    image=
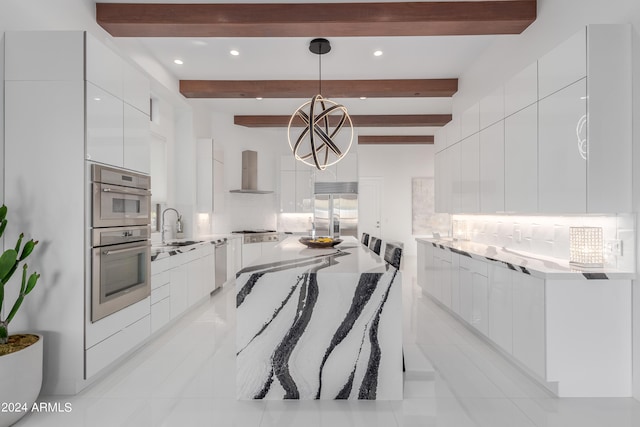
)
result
[(21, 379)]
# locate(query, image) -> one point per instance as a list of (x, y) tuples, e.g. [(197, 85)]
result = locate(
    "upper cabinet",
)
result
[(492, 108), (296, 186), (521, 90), (104, 67), (562, 154), (564, 65), (567, 139), (136, 89), (117, 110)]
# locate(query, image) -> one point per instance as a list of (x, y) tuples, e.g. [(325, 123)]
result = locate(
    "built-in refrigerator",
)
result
[(336, 209)]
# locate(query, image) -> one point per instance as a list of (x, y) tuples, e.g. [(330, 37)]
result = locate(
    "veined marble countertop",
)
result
[(527, 263), (161, 251), (319, 324)]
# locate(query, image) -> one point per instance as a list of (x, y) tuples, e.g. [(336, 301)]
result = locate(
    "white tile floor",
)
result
[(186, 378)]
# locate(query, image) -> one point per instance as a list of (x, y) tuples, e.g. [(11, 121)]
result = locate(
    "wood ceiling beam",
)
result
[(439, 18), (394, 139), (389, 120), (410, 88)]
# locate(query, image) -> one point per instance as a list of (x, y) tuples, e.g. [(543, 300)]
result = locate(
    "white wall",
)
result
[(246, 211), (557, 20), (396, 165)]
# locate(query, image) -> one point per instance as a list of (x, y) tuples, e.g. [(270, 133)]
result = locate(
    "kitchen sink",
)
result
[(183, 243)]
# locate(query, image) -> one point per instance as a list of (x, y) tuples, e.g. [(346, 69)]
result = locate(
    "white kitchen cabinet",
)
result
[(136, 140), (296, 186), (521, 90), (105, 126), (492, 108), (474, 293), (136, 89), (480, 313), (106, 352), (529, 322), (564, 65), (453, 131), (208, 274), (470, 121), (442, 276), (562, 164), (250, 253), (500, 302), (491, 169), (609, 102), (105, 68), (440, 139), (466, 291), (425, 267), (195, 280), (440, 189), (453, 178), (219, 189), (303, 191), (204, 175), (455, 282), (470, 174), (330, 174), (178, 290), (234, 257), (521, 161)]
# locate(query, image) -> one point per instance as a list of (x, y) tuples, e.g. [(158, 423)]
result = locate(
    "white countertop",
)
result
[(528, 263), (356, 259)]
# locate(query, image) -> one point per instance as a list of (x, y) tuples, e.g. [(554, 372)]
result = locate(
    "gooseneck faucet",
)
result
[(163, 212)]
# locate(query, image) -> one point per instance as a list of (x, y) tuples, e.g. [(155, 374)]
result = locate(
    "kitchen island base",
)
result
[(319, 324)]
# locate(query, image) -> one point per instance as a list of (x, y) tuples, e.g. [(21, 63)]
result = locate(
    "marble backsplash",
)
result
[(549, 235)]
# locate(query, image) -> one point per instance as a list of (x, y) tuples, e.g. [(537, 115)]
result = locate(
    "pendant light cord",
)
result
[(320, 73)]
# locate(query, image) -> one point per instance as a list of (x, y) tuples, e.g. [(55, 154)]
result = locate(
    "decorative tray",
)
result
[(319, 242)]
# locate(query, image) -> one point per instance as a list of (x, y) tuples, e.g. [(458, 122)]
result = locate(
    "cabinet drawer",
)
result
[(158, 280), (160, 314), (474, 265), (106, 352), (160, 293)]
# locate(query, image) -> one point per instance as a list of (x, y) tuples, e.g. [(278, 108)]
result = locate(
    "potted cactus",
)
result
[(20, 354)]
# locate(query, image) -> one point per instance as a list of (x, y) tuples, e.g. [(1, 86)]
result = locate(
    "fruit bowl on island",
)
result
[(319, 242)]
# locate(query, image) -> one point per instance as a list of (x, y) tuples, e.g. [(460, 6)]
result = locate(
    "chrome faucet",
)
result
[(163, 229)]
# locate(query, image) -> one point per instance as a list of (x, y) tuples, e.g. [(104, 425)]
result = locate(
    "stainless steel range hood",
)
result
[(250, 174)]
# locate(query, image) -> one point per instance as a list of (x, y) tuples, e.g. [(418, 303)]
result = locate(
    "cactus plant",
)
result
[(10, 260)]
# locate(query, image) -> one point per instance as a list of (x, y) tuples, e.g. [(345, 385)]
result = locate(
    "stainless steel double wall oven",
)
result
[(121, 258)]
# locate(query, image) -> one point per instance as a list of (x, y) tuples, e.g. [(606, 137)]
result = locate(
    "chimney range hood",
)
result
[(250, 174)]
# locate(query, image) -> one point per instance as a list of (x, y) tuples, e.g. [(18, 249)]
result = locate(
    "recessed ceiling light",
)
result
[(259, 98), (234, 52), (178, 61), (377, 53), (199, 42), (363, 97), (96, 99)]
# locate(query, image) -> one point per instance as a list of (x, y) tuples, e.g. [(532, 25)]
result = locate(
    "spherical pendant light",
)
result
[(324, 140)]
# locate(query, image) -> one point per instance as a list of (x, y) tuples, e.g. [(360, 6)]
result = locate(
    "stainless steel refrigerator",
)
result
[(336, 209)]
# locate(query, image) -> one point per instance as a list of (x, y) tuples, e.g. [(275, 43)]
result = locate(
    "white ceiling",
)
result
[(290, 58)]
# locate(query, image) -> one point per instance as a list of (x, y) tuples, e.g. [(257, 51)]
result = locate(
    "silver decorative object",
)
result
[(320, 144)]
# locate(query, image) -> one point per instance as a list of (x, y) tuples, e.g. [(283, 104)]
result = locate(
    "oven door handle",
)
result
[(126, 191), (119, 251)]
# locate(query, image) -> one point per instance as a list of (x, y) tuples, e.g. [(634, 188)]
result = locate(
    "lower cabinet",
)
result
[(529, 322), (555, 329), (500, 300)]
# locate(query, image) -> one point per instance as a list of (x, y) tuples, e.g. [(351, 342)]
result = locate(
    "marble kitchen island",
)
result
[(319, 324)]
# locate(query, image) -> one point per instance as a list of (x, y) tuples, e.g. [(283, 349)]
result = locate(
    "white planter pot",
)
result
[(21, 378)]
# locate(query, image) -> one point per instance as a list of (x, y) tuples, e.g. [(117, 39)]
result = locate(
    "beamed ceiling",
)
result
[(264, 28)]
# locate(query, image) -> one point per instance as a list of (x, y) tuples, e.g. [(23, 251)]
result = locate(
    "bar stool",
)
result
[(393, 255), (365, 239), (375, 245)]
